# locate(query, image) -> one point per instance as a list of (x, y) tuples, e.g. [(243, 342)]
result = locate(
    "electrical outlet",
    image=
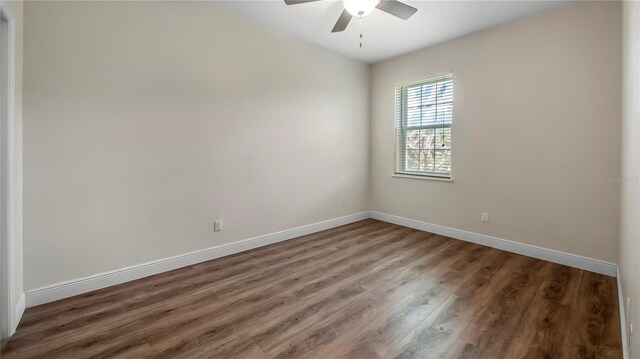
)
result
[(485, 217), (217, 225), (343, 202)]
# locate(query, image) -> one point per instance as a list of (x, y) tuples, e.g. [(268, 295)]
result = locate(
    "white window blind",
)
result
[(423, 117)]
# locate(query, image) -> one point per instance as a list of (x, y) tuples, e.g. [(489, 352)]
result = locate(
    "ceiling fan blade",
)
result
[(397, 9), (342, 22), (296, 2)]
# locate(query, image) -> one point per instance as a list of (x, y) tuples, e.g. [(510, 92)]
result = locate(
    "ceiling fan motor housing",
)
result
[(360, 8)]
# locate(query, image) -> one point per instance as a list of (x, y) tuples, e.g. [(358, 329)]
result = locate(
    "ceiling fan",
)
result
[(361, 8)]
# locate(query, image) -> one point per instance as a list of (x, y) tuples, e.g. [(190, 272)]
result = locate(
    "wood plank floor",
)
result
[(365, 290)]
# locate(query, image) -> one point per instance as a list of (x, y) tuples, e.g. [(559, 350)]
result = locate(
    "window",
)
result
[(423, 115)]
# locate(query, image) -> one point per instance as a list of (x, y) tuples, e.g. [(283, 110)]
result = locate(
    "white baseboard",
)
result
[(571, 260), (18, 312), (20, 307), (70, 288), (623, 318)]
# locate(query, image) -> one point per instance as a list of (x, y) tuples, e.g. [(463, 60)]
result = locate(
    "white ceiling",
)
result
[(386, 36)]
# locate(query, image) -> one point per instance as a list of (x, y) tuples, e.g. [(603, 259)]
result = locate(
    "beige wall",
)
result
[(535, 137), (630, 211), (146, 121)]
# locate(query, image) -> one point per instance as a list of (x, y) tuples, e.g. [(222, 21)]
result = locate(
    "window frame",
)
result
[(401, 128)]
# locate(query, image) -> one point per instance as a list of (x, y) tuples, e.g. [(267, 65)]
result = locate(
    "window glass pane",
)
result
[(443, 138), (412, 139), (413, 97), (429, 94), (445, 91), (445, 112), (429, 115), (414, 116), (412, 160), (427, 160), (443, 161), (427, 138)]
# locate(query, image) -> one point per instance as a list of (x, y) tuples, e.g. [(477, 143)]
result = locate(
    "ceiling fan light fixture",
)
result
[(360, 8)]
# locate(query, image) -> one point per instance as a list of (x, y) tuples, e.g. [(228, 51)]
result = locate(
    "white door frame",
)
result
[(7, 113)]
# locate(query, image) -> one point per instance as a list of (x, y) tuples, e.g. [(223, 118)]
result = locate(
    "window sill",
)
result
[(419, 177)]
